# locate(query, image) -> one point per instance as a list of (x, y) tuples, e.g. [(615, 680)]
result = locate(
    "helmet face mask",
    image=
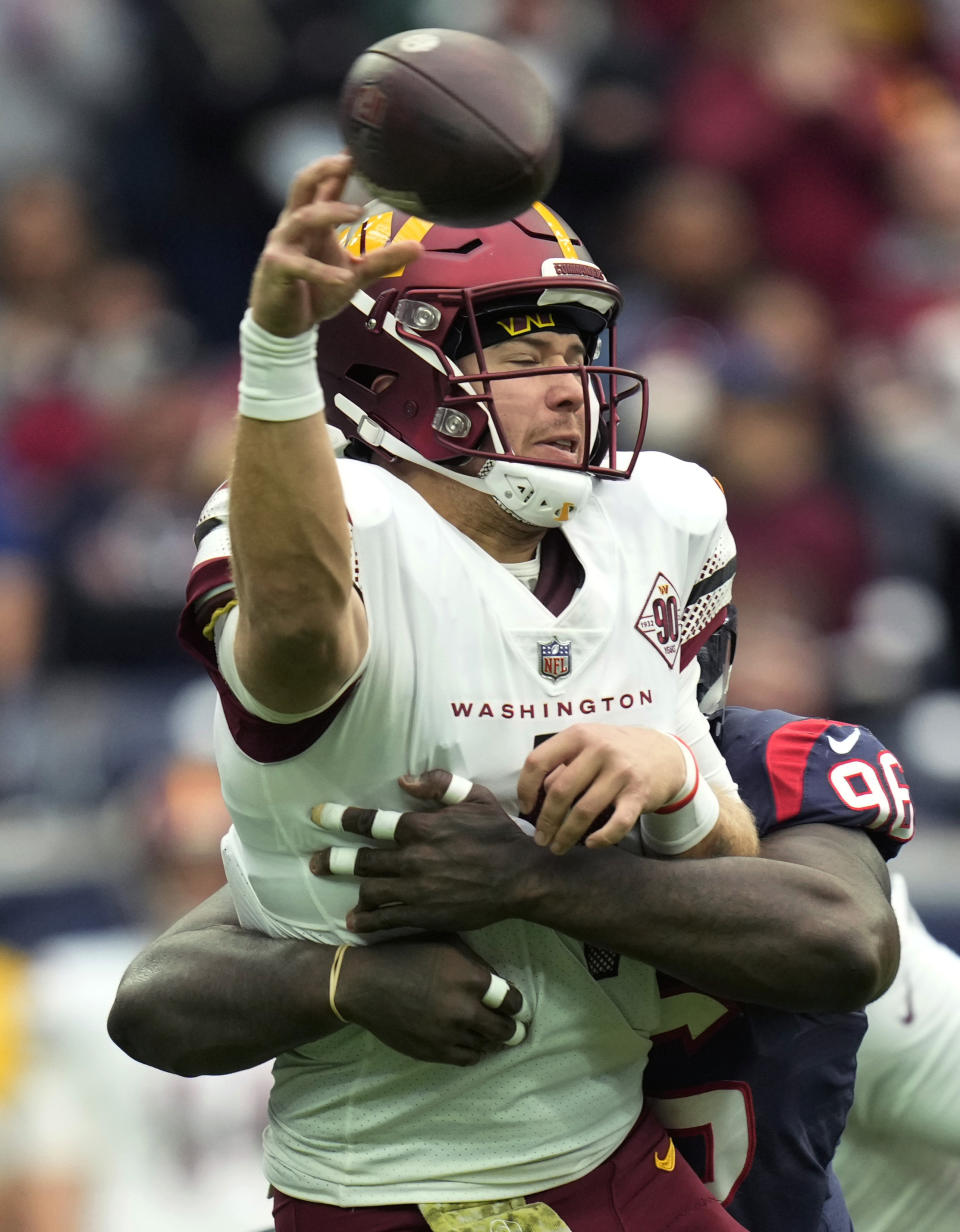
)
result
[(470, 288)]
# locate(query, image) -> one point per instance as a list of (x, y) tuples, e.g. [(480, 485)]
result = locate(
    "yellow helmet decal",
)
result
[(375, 232), (558, 229), (412, 229)]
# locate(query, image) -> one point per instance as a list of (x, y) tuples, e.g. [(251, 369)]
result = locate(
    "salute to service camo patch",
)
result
[(507, 1215)]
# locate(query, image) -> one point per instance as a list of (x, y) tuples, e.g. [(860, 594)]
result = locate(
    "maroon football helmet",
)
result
[(529, 273)]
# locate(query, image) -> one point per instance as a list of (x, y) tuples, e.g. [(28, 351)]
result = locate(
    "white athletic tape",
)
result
[(519, 1035), (343, 861), (385, 824), (331, 818), (497, 990), (457, 790)]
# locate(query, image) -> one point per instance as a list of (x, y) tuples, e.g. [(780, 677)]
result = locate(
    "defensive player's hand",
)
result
[(583, 771), (423, 996), (304, 275), (454, 868)]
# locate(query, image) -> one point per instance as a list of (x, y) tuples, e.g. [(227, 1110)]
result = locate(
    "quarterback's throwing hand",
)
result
[(591, 768), (304, 275)]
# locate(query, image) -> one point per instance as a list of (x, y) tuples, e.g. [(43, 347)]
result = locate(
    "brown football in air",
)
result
[(450, 126)]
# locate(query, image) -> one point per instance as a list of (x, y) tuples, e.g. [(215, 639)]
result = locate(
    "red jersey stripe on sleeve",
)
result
[(787, 753)]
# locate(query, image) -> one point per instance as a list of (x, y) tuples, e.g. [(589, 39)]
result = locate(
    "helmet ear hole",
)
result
[(375, 379)]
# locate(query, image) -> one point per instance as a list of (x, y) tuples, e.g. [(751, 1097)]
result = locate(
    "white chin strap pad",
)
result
[(538, 495)]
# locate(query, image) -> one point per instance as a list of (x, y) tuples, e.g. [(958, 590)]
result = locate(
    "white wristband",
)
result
[(278, 376), (686, 819)]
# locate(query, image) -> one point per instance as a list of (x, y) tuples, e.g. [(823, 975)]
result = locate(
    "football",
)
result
[(450, 126)]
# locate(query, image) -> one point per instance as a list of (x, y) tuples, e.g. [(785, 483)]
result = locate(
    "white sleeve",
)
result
[(693, 728), (908, 1078), (225, 637)]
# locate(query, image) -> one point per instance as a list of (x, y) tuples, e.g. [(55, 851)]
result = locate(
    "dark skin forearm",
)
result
[(207, 997), (806, 927), (204, 997), (769, 931)]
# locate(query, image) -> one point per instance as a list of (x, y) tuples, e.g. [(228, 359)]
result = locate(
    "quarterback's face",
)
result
[(541, 415)]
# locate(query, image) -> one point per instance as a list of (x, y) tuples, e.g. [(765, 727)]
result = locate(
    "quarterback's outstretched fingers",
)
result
[(321, 174), (496, 992), (286, 263), (382, 261), (306, 221)]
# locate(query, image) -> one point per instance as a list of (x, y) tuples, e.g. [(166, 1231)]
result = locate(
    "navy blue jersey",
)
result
[(793, 771), (756, 1098)]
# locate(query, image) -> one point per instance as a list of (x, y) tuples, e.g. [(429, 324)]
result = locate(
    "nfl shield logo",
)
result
[(554, 659)]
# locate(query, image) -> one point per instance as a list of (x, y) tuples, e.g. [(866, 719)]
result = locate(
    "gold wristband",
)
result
[(335, 978)]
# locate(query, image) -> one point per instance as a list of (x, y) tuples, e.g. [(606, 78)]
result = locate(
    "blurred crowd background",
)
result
[(775, 184)]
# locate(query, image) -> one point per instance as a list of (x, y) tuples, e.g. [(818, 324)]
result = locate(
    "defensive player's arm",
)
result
[(781, 930), (208, 997), (181, 1006), (806, 927), (301, 630)]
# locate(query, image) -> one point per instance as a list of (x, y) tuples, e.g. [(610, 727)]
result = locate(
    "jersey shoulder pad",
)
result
[(216, 512), (210, 590), (371, 493), (681, 493), (794, 771)]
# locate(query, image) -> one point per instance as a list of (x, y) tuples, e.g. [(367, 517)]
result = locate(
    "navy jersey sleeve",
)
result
[(793, 771)]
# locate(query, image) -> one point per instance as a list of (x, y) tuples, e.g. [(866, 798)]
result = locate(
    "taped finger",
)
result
[(343, 861), (497, 990), (384, 825), (519, 1035), (457, 790), (329, 817)]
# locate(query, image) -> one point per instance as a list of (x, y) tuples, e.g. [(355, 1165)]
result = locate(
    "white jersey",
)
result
[(467, 670), (899, 1158)]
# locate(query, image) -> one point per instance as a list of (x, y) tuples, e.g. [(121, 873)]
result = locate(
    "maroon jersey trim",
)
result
[(561, 573), (257, 737), (691, 648)]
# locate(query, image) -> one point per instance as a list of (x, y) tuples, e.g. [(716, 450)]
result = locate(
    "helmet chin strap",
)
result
[(542, 496), (538, 495)]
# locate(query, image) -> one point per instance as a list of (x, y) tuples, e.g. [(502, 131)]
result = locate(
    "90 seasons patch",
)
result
[(659, 621)]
